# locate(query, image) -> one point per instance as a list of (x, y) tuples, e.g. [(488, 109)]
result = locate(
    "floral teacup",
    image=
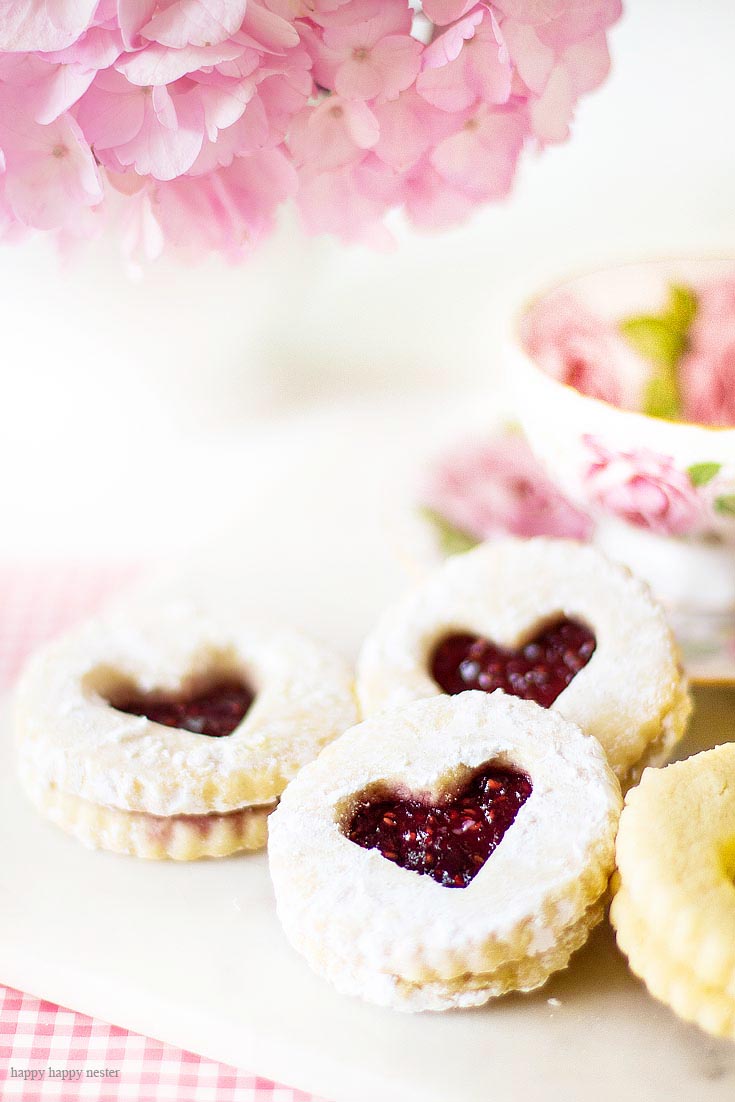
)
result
[(624, 382)]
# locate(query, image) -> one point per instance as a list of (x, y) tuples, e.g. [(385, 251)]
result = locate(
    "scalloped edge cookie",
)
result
[(632, 695), (674, 904), (153, 837), (401, 939), (113, 779)]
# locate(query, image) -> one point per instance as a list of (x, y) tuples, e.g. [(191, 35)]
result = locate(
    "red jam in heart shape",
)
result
[(215, 711), (451, 841), (539, 670)]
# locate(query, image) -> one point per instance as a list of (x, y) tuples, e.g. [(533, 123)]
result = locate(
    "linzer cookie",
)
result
[(547, 620), (446, 852), (172, 731), (674, 908)]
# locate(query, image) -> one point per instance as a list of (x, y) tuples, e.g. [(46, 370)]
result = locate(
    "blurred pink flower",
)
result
[(499, 488), (643, 488), (336, 133), (708, 370), (370, 109), (49, 170), (582, 350), (374, 56), (481, 157)]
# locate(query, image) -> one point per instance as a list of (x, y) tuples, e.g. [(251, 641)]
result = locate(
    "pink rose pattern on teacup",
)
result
[(707, 371), (575, 346), (498, 487), (643, 488)]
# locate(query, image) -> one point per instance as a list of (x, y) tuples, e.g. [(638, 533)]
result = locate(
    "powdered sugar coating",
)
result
[(631, 695), (70, 736), (383, 932)]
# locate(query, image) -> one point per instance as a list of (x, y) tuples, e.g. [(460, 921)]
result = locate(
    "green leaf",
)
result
[(661, 398), (655, 339), (702, 473), (662, 339), (726, 505), (682, 307), (453, 541)]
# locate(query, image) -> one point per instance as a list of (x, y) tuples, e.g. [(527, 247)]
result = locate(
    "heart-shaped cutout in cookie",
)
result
[(449, 841), (215, 710), (538, 670)]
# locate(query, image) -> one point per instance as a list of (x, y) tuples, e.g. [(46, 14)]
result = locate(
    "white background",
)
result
[(119, 395)]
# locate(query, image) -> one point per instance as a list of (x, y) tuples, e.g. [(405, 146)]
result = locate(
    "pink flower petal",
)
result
[(283, 95), (358, 79), (156, 65), (248, 134), (266, 30), (579, 19), (552, 113), (533, 60), (345, 204), (229, 210), (448, 45), (97, 49), (431, 202), (51, 172), (224, 105), (405, 131), (133, 16), (481, 157), (52, 25), (442, 12), (398, 58), (469, 62), (48, 89), (534, 12), (587, 63), (195, 23), (112, 111), (159, 149), (334, 134)]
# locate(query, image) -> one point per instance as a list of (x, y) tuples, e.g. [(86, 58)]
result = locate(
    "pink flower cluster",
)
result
[(195, 119)]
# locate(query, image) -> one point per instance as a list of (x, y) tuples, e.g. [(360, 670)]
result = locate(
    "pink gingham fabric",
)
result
[(36, 602)]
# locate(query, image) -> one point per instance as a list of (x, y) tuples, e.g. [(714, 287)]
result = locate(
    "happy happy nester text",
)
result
[(72, 1075)]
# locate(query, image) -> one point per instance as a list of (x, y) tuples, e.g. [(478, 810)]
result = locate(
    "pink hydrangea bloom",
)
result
[(643, 488), (153, 114), (499, 488), (584, 351), (708, 370)]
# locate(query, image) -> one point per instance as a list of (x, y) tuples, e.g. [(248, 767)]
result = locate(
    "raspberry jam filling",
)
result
[(216, 711), (539, 670), (450, 841)]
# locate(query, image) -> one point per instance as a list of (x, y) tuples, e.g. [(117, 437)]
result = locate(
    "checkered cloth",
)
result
[(35, 1036)]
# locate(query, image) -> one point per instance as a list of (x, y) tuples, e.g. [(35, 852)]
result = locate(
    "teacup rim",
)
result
[(549, 288)]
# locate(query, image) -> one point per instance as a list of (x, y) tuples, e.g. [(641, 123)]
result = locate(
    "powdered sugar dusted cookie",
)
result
[(446, 852), (674, 908), (171, 730), (547, 620)]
